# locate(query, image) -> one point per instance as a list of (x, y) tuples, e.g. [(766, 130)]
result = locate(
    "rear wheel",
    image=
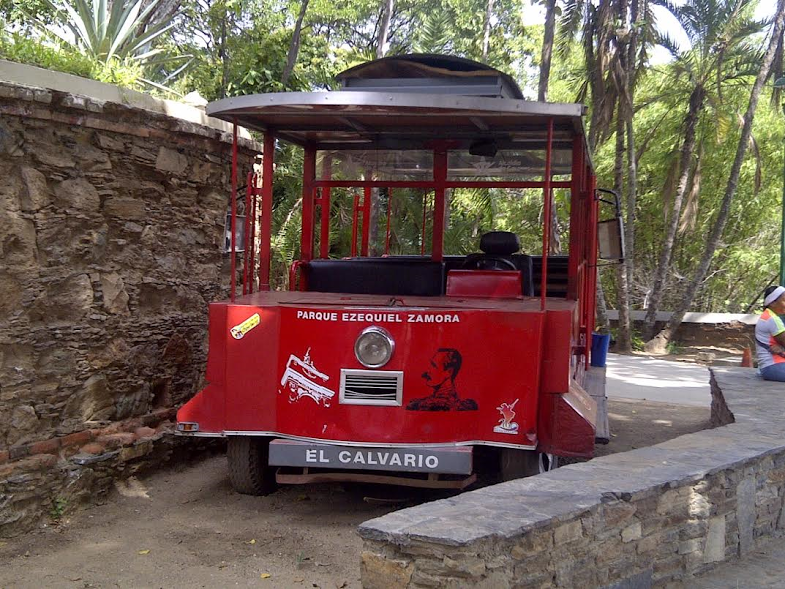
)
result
[(248, 469), (516, 464)]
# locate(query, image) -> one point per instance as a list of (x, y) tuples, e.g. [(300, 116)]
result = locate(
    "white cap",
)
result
[(774, 295)]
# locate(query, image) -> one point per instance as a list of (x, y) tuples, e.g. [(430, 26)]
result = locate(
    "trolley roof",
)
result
[(408, 103)]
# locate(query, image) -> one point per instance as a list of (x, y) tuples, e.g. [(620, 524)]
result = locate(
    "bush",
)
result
[(62, 58)]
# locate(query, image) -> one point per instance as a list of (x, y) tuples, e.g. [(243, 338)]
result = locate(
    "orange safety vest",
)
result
[(772, 341)]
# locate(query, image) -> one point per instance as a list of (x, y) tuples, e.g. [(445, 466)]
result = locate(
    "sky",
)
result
[(535, 14)]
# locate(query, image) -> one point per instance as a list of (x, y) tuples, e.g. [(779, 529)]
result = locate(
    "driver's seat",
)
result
[(500, 252), (497, 249)]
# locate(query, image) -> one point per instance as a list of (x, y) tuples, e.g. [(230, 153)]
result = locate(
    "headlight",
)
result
[(374, 347)]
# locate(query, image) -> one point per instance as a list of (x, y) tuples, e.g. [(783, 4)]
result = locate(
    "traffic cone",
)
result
[(746, 358)]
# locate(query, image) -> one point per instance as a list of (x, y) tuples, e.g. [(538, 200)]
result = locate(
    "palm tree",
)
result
[(773, 53), (720, 51)]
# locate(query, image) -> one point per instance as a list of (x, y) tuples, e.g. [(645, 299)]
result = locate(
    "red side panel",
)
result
[(206, 409), (484, 283), (557, 351), (566, 423)]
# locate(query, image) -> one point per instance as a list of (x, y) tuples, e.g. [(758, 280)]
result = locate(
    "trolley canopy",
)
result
[(393, 112)]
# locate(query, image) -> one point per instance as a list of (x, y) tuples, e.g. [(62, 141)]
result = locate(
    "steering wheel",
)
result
[(485, 262)]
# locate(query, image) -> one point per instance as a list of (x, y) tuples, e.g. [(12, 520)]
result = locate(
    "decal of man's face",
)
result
[(444, 366)]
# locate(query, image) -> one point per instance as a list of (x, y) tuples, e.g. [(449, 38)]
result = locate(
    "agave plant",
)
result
[(107, 30)]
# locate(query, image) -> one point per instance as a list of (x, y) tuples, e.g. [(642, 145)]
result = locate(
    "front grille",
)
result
[(371, 387)]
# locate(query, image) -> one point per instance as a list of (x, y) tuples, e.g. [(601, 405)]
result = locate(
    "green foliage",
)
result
[(58, 508), (58, 57), (105, 30)]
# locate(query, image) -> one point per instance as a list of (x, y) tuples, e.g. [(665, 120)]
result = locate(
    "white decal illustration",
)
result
[(302, 380), (506, 423)]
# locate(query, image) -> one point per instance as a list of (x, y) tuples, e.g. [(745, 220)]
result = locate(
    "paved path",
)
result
[(652, 379), (763, 569)]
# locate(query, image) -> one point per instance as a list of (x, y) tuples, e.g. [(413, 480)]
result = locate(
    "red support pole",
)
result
[(309, 175), (266, 221), (591, 256), (366, 221), (324, 236), (247, 234), (389, 215), (439, 203), (355, 219), (424, 209), (576, 218), (252, 257), (233, 240), (546, 232)]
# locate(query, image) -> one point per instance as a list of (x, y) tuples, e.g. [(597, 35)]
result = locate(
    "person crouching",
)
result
[(770, 335)]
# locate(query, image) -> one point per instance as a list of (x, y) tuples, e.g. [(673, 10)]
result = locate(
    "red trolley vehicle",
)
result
[(416, 370)]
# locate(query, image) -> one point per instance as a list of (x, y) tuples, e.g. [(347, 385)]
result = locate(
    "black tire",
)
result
[(516, 464), (248, 469)]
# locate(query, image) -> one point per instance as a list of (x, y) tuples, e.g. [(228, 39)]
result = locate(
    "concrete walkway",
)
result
[(653, 379)]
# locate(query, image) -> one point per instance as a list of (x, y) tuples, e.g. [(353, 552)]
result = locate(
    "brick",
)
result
[(39, 462), (92, 448), (567, 533), (50, 446), (144, 432), (17, 452), (112, 441), (78, 438), (159, 415)]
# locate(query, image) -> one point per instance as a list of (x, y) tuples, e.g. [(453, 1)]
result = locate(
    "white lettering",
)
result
[(383, 458), (344, 316), (358, 458), (431, 462), (323, 458), (310, 455), (371, 460), (395, 460), (299, 314), (409, 460), (344, 456)]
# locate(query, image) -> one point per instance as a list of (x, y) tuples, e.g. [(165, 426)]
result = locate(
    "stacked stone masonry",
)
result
[(649, 517), (111, 241)]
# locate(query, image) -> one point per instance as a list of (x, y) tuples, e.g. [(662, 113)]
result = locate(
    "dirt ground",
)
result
[(185, 527)]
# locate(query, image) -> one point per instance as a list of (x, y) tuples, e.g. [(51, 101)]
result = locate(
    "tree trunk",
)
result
[(685, 163), (384, 29), (603, 325), (486, 32), (547, 49), (623, 339), (294, 46), (223, 56), (627, 112), (661, 340)]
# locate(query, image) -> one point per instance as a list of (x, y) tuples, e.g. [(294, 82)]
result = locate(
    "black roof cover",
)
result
[(430, 73)]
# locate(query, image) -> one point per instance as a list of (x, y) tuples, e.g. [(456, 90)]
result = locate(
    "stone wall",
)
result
[(111, 235), (650, 517)]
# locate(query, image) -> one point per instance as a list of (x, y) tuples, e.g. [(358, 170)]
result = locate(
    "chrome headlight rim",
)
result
[(374, 329)]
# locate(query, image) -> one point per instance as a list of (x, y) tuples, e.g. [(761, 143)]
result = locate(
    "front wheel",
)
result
[(516, 464), (248, 469)]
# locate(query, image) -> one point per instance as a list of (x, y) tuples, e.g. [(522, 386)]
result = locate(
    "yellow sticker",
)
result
[(238, 331)]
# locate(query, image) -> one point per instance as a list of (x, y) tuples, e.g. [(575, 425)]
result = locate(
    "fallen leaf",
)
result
[(3, 544), (265, 575), (299, 579), (303, 498), (143, 552), (634, 412), (253, 541)]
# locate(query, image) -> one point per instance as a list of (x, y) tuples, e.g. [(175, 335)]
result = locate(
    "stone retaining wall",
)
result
[(650, 517), (111, 237)]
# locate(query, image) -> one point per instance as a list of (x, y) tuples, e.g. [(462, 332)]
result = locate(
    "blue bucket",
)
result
[(599, 349)]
